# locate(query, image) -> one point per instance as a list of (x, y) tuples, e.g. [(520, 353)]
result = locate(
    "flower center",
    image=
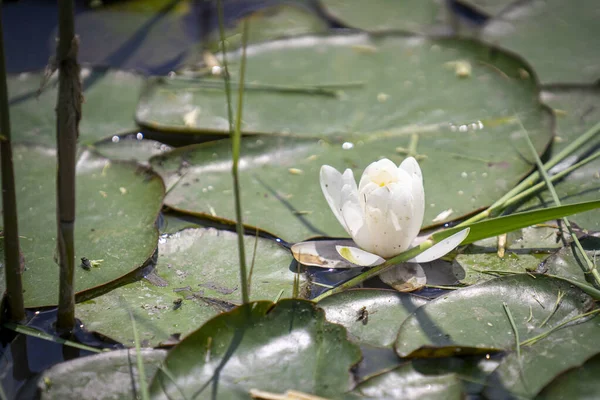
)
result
[(383, 178)]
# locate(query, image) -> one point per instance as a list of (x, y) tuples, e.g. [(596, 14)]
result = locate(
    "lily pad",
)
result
[(540, 363), (378, 15), (112, 375), (117, 206), (566, 263), (476, 268), (372, 316), (340, 86), (274, 22), (577, 111), (572, 28), (405, 382), (292, 337), (33, 117), (578, 383), (473, 321), (196, 277)]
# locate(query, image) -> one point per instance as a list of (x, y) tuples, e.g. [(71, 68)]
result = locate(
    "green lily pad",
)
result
[(196, 277), (111, 375), (372, 316), (227, 356), (405, 382), (472, 371), (117, 206), (540, 363), (110, 99), (340, 86), (378, 15), (579, 383), (490, 7), (274, 22), (532, 239), (476, 268), (577, 111), (473, 321), (564, 263), (572, 28)]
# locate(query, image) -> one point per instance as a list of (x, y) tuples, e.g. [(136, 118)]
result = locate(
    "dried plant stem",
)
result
[(68, 114), (236, 137), (12, 258)]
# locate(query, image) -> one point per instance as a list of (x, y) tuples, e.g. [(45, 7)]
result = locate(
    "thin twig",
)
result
[(12, 254)]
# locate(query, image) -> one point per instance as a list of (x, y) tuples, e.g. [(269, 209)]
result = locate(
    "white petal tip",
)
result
[(359, 257), (442, 248)]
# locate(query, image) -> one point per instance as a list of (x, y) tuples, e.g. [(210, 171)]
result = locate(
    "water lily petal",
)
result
[(405, 277), (332, 182), (359, 257), (412, 168), (322, 253), (442, 248)]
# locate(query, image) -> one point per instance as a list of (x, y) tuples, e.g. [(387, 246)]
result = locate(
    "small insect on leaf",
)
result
[(177, 303), (363, 315), (86, 264)]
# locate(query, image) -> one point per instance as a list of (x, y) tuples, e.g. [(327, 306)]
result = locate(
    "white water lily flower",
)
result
[(384, 213)]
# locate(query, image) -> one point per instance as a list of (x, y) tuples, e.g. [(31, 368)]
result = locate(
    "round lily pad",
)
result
[(226, 357), (473, 320), (117, 206), (578, 383)]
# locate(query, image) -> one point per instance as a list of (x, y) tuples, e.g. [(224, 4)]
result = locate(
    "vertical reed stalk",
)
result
[(68, 114), (13, 267)]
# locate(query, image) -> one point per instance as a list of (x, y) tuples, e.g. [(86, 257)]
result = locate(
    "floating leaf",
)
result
[(476, 268), (473, 321), (130, 148), (274, 22), (405, 382), (565, 263), (379, 15), (117, 206), (372, 316), (580, 383), (292, 337), (571, 27), (196, 277), (111, 375), (541, 362), (110, 99)]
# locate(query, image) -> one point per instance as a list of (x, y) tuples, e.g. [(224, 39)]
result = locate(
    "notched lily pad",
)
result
[(117, 206), (473, 320), (477, 268), (372, 316), (292, 337)]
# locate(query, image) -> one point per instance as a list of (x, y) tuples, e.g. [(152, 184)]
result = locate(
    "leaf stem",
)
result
[(12, 253), (589, 268), (236, 143), (26, 330), (535, 339)]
